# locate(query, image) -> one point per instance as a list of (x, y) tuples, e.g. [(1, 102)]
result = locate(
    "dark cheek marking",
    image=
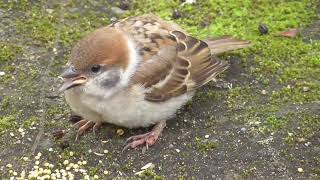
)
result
[(112, 79)]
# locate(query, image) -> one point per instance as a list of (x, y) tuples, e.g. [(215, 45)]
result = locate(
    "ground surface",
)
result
[(261, 121)]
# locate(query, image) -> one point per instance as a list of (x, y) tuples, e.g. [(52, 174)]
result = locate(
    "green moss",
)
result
[(150, 173), (300, 93), (5, 102), (38, 26), (274, 122), (30, 121), (204, 145), (8, 52), (7, 122)]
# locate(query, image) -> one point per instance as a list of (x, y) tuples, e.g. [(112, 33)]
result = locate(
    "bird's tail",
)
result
[(225, 44)]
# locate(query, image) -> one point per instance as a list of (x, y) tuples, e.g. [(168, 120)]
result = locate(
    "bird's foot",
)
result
[(84, 125), (148, 139)]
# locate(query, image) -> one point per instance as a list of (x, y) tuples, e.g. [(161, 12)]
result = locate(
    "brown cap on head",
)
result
[(103, 46)]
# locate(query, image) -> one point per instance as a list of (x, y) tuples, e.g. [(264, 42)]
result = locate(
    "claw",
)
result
[(84, 125), (148, 139)]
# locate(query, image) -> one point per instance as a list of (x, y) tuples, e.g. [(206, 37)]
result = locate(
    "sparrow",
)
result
[(138, 72)]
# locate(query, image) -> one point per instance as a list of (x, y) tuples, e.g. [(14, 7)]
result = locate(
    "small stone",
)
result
[(105, 151), (206, 136), (2, 73), (243, 130), (125, 4), (11, 134), (25, 158), (120, 132), (71, 153), (178, 150), (300, 170), (49, 11), (307, 143), (105, 172), (263, 92), (263, 29), (113, 19), (305, 89), (170, 145), (96, 177), (117, 11), (9, 165), (301, 140)]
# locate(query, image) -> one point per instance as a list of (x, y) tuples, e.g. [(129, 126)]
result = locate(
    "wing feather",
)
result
[(173, 62)]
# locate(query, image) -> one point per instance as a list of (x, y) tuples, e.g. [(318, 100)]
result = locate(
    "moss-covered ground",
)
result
[(261, 120)]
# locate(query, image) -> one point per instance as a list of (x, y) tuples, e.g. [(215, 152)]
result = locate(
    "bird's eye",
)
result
[(95, 68)]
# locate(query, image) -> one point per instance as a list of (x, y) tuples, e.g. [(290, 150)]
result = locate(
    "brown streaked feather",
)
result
[(173, 62), (225, 44), (149, 32)]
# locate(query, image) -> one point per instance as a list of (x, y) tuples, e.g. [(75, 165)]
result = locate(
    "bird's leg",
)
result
[(96, 127), (83, 125), (149, 138)]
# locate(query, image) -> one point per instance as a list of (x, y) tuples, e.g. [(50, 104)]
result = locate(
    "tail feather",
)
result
[(221, 45)]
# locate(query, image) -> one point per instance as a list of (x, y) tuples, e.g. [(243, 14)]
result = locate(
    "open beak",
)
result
[(71, 79)]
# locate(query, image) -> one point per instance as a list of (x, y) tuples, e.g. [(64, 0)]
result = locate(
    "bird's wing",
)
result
[(173, 62)]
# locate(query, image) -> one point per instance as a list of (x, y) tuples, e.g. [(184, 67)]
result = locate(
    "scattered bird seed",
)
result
[(305, 89), (147, 166), (120, 132), (263, 92)]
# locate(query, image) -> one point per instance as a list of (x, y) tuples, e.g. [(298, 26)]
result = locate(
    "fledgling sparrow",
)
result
[(138, 72)]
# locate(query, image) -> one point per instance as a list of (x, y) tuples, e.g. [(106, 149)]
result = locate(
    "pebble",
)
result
[(263, 92), (117, 11), (125, 4), (50, 11), (307, 143), (243, 130), (263, 29), (2, 73), (305, 89), (300, 170), (178, 150), (206, 136)]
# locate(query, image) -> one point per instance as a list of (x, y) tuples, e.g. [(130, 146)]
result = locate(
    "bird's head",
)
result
[(101, 60)]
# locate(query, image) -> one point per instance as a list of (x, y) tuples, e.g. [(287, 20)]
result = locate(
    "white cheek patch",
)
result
[(134, 60)]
